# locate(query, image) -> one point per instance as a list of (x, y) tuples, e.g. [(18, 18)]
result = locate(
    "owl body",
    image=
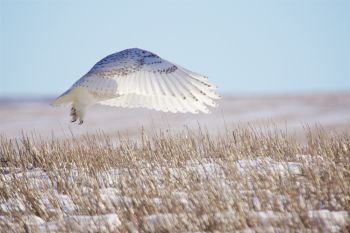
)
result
[(139, 78)]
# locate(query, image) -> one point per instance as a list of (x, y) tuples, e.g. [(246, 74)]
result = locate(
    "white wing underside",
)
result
[(138, 78)]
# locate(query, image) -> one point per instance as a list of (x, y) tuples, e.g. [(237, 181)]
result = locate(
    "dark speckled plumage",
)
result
[(130, 61)]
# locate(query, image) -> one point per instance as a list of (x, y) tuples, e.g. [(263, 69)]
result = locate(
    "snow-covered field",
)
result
[(108, 198), (287, 112), (223, 172), (241, 180)]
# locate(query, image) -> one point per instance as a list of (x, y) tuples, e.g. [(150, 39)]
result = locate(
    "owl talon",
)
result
[(73, 113)]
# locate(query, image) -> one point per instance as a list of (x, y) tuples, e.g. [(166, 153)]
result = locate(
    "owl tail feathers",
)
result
[(63, 99)]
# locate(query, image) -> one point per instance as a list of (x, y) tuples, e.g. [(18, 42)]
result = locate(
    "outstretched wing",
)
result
[(138, 78)]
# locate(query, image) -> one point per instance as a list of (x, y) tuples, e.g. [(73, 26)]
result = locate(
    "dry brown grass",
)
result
[(262, 180)]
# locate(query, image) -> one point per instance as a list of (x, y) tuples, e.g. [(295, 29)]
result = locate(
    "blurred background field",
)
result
[(286, 112)]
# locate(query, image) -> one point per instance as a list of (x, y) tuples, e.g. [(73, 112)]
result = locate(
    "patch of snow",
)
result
[(268, 165), (94, 223), (225, 217), (13, 204), (311, 159), (109, 191), (330, 221), (37, 178), (256, 203), (81, 223), (180, 194), (207, 169), (268, 218), (204, 170), (32, 220), (34, 173), (48, 227), (160, 222), (109, 177), (158, 201), (66, 203), (111, 198)]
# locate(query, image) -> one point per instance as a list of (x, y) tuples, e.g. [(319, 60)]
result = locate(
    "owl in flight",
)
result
[(138, 78)]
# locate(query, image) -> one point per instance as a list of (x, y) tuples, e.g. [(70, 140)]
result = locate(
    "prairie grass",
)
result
[(243, 179)]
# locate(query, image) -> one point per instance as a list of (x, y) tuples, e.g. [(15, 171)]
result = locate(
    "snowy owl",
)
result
[(138, 78)]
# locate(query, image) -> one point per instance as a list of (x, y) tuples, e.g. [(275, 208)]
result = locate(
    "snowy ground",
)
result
[(268, 210), (292, 112), (239, 180)]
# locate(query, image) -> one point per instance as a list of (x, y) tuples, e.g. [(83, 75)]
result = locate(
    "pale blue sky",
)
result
[(245, 47)]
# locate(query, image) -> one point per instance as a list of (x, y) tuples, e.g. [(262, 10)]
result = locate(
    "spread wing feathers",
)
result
[(100, 86), (138, 78), (172, 92)]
